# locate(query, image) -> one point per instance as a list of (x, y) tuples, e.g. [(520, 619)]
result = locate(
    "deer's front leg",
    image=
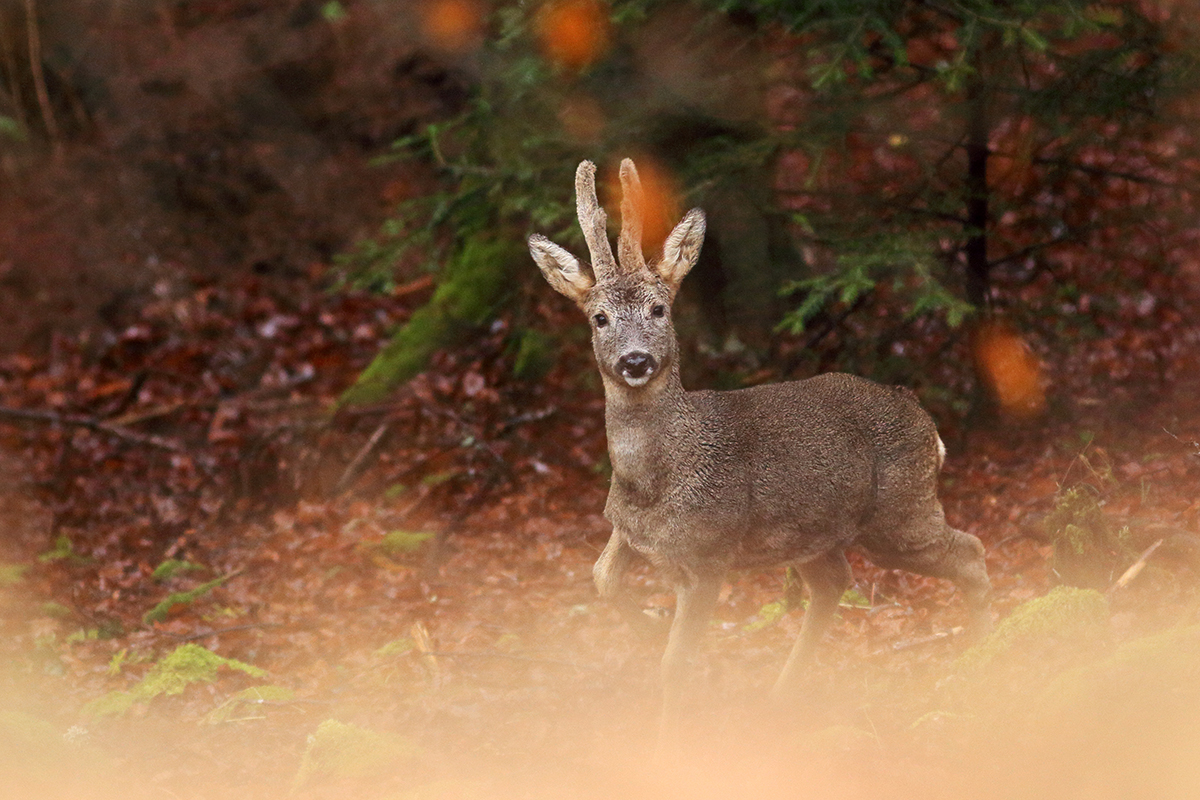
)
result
[(607, 574), (696, 597)]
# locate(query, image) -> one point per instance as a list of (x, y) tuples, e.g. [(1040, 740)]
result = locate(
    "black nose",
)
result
[(636, 364)]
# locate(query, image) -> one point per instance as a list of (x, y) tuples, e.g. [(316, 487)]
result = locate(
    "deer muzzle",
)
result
[(637, 367)]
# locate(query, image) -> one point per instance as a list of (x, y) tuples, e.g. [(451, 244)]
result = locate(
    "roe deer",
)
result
[(704, 482)]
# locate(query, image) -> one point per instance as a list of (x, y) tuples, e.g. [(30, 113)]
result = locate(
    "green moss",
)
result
[(1063, 613), (404, 541), (63, 550), (266, 694), (171, 675), (1087, 551), (534, 355), (172, 567), (337, 750), (56, 610), (1169, 662), (438, 478), (853, 598), (1077, 538), (113, 704), (396, 647), (474, 284), (1078, 509), (768, 615), (163, 609), (187, 664), (11, 574), (240, 706)]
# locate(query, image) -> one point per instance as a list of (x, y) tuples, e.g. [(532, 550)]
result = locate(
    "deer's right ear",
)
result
[(563, 271)]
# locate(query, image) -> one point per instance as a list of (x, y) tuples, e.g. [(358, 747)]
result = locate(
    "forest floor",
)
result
[(183, 483), (215, 584)]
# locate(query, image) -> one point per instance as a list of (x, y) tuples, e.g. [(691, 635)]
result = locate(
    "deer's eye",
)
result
[(658, 311), (601, 320)]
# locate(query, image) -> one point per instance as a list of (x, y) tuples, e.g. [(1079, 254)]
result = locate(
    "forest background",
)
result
[(302, 465)]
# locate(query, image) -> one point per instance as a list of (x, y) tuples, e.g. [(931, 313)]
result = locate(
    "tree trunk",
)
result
[(976, 226)]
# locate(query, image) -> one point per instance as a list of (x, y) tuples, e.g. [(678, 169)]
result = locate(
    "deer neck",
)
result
[(651, 436)]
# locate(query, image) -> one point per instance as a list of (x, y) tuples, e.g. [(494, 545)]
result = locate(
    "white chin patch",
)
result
[(635, 382)]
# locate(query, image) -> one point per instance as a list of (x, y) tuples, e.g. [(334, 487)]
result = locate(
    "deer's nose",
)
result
[(636, 364)]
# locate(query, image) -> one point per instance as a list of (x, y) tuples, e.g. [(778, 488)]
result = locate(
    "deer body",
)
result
[(712, 481), (785, 474)]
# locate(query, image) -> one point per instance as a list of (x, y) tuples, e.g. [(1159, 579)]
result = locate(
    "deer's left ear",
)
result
[(562, 270), (682, 249)]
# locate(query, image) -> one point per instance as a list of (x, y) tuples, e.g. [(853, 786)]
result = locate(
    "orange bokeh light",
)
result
[(662, 208), (573, 33), (1009, 370), (452, 24)]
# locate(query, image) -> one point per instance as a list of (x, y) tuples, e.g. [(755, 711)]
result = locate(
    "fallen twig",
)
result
[(218, 631), (529, 416), (356, 464), (424, 645), (1135, 568), (91, 424), (512, 657), (921, 641)]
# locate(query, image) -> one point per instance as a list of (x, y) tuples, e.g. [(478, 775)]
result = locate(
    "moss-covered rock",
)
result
[(1157, 670), (340, 751), (1064, 615), (1123, 725)]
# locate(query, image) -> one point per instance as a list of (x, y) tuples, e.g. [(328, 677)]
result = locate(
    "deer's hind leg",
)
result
[(826, 578), (933, 548)]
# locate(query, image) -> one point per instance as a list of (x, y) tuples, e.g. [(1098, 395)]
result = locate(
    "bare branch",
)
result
[(91, 424)]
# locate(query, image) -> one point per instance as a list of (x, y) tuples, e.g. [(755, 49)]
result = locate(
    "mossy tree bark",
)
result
[(475, 285)]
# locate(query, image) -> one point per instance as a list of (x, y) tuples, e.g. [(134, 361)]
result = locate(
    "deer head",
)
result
[(627, 300)]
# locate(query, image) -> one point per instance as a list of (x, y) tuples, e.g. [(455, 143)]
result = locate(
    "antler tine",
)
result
[(593, 221), (629, 247)]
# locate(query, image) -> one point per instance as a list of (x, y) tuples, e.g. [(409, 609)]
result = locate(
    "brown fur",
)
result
[(704, 482)]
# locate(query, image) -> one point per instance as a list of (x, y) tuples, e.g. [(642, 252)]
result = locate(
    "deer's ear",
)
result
[(682, 249), (563, 271)]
